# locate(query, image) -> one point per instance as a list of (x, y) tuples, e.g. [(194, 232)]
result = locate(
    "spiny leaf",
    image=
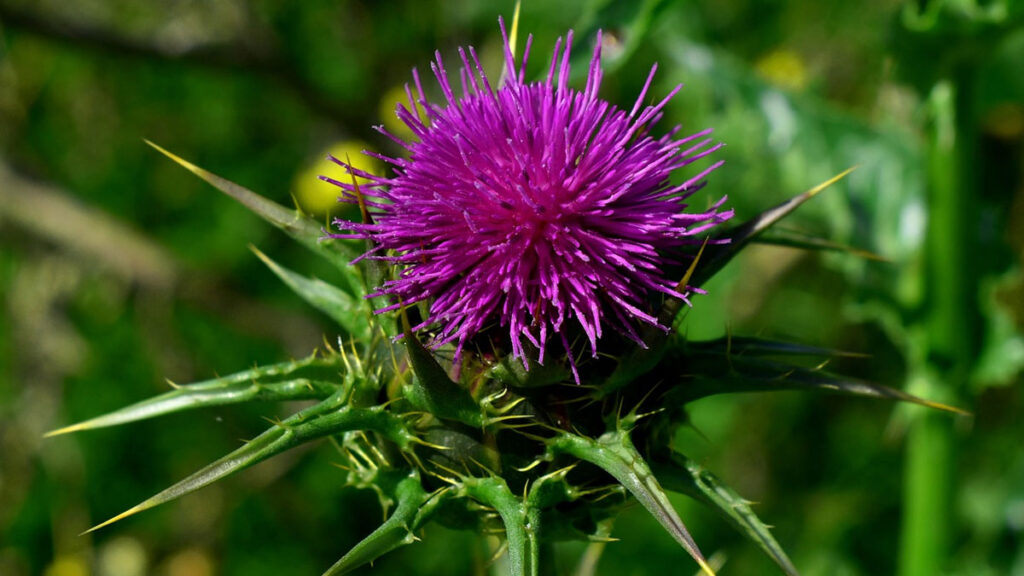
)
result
[(686, 476), (720, 254), (522, 523), (255, 385), (415, 508), (350, 313), (302, 228), (327, 418), (614, 453), (710, 374), (794, 239), (730, 346)]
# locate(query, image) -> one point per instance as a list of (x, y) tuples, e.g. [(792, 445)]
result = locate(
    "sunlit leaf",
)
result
[(351, 314), (327, 418), (718, 255), (747, 346), (302, 228), (305, 379), (789, 238), (710, 374)]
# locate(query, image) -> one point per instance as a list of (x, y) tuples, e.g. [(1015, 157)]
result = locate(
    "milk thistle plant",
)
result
[(509, 360)]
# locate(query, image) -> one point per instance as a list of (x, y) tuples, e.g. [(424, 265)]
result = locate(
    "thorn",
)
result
[(131, 511), (705, 567), (531, 466), (498, 552), (422, 442), (560, 472), (376, 451), (359, 195), (344, 357), (276, 422), (693, 266), (515, 29), (448, 470), (641, 403), (502, 419), (355, 354), (482, 467), (342, 466), (814, 191), (66, 430)]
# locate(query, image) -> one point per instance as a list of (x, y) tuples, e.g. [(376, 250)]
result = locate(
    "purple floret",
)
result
[(531, 206)]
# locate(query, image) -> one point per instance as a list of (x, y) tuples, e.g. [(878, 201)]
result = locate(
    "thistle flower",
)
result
[(537, 206)]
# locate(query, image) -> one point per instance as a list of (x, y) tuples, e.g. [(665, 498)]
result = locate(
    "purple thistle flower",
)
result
[(533, 205)]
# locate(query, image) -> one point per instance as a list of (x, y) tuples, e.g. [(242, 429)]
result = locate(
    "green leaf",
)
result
[(351, 314), (710, 374), (415, 508), (324, 419), (718, 255), (795, 239), (308, 381), (747, 346), (686, 476), (614, 453), (302, 228), (432, 390)]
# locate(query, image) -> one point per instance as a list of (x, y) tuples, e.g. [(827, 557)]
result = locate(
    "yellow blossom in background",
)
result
[(318, 198), (68, 566), (392, 124), (783, 68)]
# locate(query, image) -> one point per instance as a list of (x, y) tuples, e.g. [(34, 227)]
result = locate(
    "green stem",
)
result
[(941, 364), (521, 524)]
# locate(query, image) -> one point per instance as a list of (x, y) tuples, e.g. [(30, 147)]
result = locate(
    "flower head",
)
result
[(532, 206)]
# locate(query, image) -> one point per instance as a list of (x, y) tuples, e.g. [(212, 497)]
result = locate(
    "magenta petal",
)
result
[(533, 207)]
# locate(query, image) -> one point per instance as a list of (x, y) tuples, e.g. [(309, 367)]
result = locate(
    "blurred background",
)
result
[(119, 270)]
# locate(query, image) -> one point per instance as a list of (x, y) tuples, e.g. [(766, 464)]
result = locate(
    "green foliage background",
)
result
[(118, 269)]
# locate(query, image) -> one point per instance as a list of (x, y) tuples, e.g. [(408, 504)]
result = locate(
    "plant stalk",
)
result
[(940, 365)]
